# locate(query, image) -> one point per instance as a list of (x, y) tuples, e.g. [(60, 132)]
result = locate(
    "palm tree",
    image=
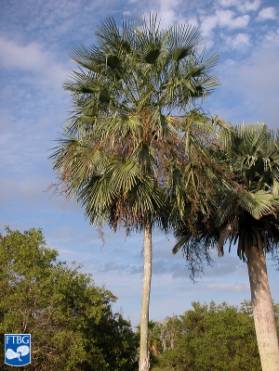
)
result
[(244, 210), (127, 93)]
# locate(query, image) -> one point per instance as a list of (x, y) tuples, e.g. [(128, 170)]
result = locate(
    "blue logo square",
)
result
[(17, 348)]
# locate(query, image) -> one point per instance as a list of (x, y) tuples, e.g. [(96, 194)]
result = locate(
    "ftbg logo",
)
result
[(17, 349)]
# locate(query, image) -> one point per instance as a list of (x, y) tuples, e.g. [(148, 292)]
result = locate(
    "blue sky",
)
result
[(36, 40)]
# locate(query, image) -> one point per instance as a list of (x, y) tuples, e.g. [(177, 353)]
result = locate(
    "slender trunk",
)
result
[(144, 364), (263, 311)]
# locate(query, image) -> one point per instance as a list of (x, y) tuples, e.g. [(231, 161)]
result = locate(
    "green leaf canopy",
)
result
[(125, 133), (244, 208)]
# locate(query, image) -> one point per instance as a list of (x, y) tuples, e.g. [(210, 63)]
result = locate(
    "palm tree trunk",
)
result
[(263, 311), (144, 364)]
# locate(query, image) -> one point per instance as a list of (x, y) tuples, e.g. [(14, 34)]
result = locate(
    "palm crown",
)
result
[(245, 209), (122, 135)]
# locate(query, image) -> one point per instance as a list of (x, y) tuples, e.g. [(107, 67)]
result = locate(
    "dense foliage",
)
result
[(243, 209), (73, 327), (70, 319), (206, 338), (124, 133)]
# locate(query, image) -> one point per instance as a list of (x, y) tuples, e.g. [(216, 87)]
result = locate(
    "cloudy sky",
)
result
[(36, 40)]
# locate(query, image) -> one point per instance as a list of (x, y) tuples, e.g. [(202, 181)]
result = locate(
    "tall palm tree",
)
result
[(244, 211), (127, 92)]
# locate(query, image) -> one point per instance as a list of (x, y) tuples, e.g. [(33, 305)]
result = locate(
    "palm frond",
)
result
[(259, 203)]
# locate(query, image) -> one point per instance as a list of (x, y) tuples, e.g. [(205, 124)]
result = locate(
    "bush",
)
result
[(70, 319)]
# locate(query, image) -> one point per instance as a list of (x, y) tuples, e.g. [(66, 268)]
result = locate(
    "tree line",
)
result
[(207, 337), (71, 321), (74, 328)]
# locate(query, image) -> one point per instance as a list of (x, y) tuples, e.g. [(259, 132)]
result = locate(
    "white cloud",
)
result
[(225, 19), (238, 22), (32, 58), (167, 11), (193, 21), (126, 13), (248, 6), (240, 5), (267, 14), (208, 23), (228, 3), (238, 41), (272, 35)]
